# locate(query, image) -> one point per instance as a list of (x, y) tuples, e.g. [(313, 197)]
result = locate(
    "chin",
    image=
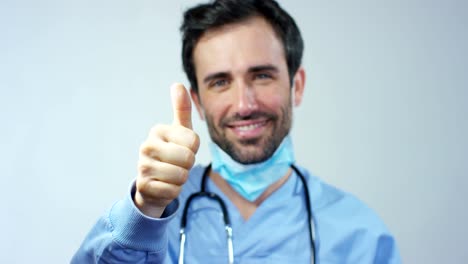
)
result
[(250, 156)]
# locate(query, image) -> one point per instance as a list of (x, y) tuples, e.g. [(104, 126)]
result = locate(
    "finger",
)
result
[(162, 171), (176, 134), (158, 192), (168, 152), (181, 106)]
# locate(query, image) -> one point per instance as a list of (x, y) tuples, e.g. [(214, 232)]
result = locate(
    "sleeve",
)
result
[(125, 235)]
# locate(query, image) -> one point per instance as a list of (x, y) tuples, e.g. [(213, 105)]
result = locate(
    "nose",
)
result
[(246, 100)]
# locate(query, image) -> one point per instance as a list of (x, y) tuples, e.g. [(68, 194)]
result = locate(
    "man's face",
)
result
[(244, 89)]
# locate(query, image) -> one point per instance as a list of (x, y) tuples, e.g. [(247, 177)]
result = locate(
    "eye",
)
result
[(219, 83), (262, 76)]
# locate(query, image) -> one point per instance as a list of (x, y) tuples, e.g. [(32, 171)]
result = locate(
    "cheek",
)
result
[(214, 110), (274, 100)]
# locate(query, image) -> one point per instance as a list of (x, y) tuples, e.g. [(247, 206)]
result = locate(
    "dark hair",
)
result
[(201, 18)]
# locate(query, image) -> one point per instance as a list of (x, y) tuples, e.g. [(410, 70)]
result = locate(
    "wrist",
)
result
[(146, 208)]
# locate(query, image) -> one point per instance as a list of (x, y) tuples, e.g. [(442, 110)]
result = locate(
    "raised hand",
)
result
[(166, 157)]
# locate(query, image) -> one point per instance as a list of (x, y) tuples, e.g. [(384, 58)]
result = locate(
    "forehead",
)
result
[(238, 46)]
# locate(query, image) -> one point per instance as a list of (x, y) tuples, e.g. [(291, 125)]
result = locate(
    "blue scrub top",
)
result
[(347, 231)]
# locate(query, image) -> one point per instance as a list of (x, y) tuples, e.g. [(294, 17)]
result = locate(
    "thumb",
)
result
[(181, 106)]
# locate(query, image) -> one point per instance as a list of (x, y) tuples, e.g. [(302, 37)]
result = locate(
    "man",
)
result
[(243, 61)]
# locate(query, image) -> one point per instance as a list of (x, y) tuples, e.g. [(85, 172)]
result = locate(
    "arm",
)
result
[(125, 235), (134, 230)]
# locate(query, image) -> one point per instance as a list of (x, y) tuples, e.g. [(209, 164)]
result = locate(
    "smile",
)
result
[(250, 126), (249, 129)]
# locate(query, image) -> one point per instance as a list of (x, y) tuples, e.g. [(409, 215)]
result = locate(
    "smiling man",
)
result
[(252, 204), (245, 91)]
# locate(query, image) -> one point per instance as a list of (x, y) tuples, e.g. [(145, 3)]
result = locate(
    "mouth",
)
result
[(251, 126), (248, 129)]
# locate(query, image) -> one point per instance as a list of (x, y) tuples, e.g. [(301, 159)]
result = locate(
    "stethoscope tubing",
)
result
[(226, 219)]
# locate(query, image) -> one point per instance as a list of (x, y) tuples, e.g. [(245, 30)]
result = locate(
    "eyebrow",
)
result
[(253, 69), (214, 76), (266, 67)]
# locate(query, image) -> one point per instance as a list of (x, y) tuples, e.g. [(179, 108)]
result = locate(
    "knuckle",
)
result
[(142, 186), (190, 160), (150, 150), (145, 168), (158, 133), (145, 148), (188, 138), (155, 130), (195, 143), (182, 176)]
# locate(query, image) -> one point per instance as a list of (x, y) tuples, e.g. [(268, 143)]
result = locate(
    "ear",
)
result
[(196, 101), (298, 86)]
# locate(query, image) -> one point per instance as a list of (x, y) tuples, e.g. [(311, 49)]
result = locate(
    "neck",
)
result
[(246, 208), (251, 181)]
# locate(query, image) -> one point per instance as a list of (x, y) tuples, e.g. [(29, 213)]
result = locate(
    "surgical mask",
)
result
[(251, 180)]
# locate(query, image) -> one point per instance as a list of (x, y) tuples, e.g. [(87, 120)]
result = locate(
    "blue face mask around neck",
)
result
[(251, 180)]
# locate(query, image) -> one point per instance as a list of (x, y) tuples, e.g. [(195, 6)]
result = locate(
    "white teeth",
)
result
[(248, 127)]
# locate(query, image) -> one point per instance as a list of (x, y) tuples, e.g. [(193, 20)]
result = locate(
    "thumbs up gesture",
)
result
[(166, 157)]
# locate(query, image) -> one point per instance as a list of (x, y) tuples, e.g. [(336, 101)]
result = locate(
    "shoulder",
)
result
[(341, 212), (331, 202), (346, 226)]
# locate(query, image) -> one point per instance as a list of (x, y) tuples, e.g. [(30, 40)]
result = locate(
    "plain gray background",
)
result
[(384, 114)]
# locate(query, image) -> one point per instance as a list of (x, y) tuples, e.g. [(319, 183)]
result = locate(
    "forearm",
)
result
[(125, 235)]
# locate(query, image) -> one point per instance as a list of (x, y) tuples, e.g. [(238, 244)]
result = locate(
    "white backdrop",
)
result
[(384, 113)]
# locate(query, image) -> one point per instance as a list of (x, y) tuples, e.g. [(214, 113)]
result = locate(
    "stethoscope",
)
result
[(227, 222)]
